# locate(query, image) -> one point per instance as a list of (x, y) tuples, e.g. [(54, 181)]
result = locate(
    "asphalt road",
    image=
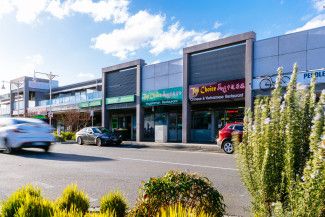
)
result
[(98, 170)]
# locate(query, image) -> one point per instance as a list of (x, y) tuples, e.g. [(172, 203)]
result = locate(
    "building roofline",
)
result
[(77, 85), (220, 42), (307, 30), (123, 65)]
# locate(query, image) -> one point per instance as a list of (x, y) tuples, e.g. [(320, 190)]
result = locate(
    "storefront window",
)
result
[(234, 115), (160, 119), (201, 120), (149, 127), (114, 122)]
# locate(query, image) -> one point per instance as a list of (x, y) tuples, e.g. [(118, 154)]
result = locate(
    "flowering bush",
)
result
[(187, 189), (281, 156)]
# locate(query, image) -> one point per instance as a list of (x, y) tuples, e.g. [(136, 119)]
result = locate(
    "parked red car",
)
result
[(225, 136)]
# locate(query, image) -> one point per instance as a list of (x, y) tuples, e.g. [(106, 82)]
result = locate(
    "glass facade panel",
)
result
[(149, 127), (201, 120)]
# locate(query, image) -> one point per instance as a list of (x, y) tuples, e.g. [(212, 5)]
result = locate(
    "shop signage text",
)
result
[(163, 97), (216, 91), (93, 103), (302, 78), (120, 99)]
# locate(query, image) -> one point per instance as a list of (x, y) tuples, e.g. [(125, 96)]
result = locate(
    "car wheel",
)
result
[(228, 147), (98, 142), (7, 149), (79, 141), (47, 147)]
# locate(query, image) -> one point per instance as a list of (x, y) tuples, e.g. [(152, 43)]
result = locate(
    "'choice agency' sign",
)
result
[(215, 91)]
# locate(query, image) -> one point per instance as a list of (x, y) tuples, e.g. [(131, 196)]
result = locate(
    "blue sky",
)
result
[(76, 38)]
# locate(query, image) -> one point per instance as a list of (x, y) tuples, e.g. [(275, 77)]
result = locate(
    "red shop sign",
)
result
[(215, 91)]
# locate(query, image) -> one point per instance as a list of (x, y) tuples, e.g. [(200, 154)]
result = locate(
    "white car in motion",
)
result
[(17, 133)]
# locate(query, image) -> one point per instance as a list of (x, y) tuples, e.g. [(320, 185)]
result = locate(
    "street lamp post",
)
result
[(50, 76), (18, 85)]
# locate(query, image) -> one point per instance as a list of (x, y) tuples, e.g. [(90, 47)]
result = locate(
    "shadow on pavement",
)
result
[(56, 156)]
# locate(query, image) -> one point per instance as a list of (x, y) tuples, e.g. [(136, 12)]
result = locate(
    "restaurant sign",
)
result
[(217, 91), (92, 103), (120, 99), (162, 97)]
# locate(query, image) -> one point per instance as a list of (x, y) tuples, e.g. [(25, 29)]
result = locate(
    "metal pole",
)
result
[(17, 84), (50, 78)]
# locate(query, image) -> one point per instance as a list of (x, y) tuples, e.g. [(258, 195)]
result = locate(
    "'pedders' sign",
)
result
[(224, 90)]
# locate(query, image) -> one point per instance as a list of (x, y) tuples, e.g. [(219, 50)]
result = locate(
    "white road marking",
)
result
[(194, 152), (180, 164)]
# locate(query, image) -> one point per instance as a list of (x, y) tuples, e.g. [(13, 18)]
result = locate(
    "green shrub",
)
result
[(179, 211), (73, 198), (11, 206), (35, 206), (106, 214), (57, 137), (68, 136), (71, 213), (114, 202), (281, 156), (187, 189)]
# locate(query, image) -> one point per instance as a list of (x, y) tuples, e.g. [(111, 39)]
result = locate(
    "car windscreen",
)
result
[(96, 130), (239, 127)]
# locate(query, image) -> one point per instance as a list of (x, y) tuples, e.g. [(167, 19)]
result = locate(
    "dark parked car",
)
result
[(97, 135), (225, 136)]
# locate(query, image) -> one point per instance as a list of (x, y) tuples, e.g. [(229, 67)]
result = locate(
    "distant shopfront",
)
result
[(120, 91), (216, 76), (161, 100), (214, 105), (162, 108)]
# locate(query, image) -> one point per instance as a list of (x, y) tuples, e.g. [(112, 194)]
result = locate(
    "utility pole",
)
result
[(18, 85), (50, 77)]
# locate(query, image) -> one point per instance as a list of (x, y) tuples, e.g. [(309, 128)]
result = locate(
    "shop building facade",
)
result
[(192, 98), (182, 100), (121, 107)]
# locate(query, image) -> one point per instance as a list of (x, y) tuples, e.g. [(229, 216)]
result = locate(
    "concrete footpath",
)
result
[(177, 146)]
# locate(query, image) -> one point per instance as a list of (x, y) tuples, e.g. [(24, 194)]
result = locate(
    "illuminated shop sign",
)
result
[(120, 99), (162, 97), (217, 91)]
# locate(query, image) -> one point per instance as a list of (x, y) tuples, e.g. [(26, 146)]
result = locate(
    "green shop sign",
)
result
[(119, 99), (93, 103), (163, 97)]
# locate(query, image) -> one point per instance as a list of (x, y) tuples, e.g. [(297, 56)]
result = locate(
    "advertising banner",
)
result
[(268, 82), (120, 99), (162, 97), (217, 91), (93, 103)]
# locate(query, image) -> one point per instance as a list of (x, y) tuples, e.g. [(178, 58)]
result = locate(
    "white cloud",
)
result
[(116, 10), (28, 11), (217, 24), (5, 8), (58, 9), (317, 21), (145, 30), (319, 5), (138, 31)]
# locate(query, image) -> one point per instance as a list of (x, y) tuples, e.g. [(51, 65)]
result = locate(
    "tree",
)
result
[(281, 156), (74, 119)]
